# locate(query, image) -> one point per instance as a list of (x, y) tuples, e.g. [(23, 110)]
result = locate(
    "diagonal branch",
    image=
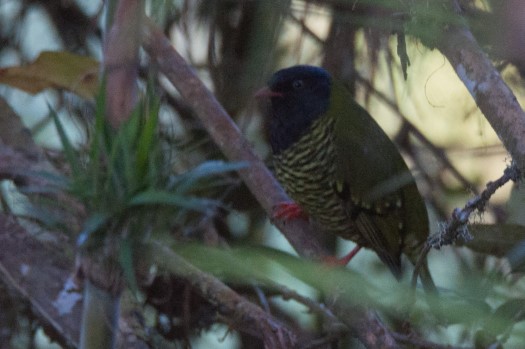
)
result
[(491, 94)]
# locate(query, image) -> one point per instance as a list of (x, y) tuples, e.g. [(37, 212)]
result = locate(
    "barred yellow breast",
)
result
[(306, 170)]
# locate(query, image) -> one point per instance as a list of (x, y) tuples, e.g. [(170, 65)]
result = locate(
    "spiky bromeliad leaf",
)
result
[(93, 224), (99, 143), (69, 149), (208, 169), (158, 197), (146, 138), (499, 240), (125, 258)]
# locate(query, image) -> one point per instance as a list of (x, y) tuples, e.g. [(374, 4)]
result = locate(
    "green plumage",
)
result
[(342, 169)]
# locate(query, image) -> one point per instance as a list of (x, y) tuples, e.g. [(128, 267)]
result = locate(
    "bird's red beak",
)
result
[(265, 92)]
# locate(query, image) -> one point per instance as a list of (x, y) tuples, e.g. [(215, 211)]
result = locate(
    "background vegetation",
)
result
[(164, 207)]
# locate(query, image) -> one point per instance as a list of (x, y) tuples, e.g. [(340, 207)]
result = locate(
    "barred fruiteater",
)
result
[(341, 169)]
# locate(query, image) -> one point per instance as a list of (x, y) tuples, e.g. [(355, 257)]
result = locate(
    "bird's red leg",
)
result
[(346, 259), (332, 260), (288, 210)]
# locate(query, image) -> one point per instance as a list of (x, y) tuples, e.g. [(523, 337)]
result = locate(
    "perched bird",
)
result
[(341, 169)]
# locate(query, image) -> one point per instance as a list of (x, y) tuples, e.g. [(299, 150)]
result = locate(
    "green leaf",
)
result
[(516, 257), (147, 138), (513, 310), (126, 165), (502, 320), (402, 53), (40, 214), (154, 197), (92, 225), (126, 262), (258, 264), (53, 178), (494, 239), (69, 150), (207, 169), (117, 170), (99, 144)]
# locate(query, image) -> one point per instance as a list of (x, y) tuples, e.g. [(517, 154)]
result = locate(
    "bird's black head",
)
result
[(299, 95)]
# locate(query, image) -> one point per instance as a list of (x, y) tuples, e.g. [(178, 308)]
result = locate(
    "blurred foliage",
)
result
[(161, 175), (125, 183)]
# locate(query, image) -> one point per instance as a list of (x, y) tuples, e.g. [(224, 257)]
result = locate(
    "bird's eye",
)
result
[(297, 84)]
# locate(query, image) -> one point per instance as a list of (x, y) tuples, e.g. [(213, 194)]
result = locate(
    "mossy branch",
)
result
[(490, 92)]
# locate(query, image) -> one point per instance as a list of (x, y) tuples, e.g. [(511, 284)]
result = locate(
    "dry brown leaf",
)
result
[(55, 69)]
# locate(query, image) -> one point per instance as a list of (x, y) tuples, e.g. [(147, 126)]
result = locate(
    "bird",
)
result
[(341, 169)]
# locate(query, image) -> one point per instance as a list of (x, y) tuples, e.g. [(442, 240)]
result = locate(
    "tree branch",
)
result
[(492, 95), (243, 314), (457, 226), (121, 60)]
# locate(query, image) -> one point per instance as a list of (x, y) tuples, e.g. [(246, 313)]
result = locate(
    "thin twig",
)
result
[(457, 226), (334, 324)]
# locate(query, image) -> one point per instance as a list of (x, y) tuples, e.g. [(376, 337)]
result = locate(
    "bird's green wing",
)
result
[(368, 159), (382, 196)]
